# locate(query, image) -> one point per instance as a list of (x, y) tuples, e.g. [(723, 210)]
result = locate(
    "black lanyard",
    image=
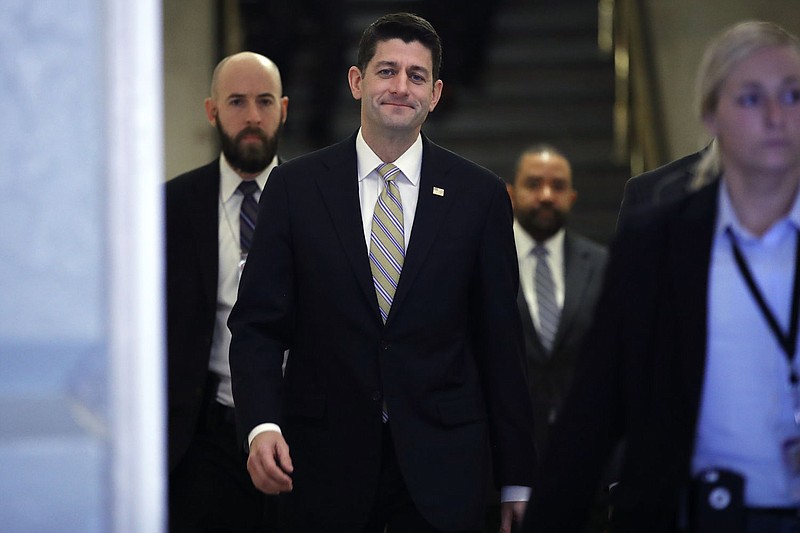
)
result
[(788, 340)]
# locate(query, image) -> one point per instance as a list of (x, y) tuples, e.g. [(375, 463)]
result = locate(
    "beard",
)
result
[(251, 158), (542, 222)]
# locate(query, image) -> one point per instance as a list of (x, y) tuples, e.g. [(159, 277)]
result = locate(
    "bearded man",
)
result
[(560, 278), (210, 216)]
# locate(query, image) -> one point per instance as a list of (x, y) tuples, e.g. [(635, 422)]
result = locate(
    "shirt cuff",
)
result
[(514, 493), (261, 428)]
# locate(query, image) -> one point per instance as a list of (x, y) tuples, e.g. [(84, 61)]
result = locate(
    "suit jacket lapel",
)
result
[(204, 213), (431, 209), (339, 187), (578, 270), (690, 240)]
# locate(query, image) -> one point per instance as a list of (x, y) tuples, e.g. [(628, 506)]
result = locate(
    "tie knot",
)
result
[(247, 187), (540, 251), (388, 171)]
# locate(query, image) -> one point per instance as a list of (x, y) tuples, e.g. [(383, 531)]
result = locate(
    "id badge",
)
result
[(790, 449)]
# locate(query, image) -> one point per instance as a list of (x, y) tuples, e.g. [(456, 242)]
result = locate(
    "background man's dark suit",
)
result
[(209, 486), (221, 480), (550, 375), (192, 205), (447, 363), (642, 374)]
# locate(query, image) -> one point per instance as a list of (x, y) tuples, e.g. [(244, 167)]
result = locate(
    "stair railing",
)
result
[(638, 129)]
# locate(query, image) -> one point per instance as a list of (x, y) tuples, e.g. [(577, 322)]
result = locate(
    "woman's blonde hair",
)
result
[(722, 55)]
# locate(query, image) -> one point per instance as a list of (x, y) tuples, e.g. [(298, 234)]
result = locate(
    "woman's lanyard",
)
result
[(786, 340)]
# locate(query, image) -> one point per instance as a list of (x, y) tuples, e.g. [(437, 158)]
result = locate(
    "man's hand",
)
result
[(511, 512), (269, 463)]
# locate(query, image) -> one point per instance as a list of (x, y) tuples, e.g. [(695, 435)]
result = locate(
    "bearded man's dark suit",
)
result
[(640, 376), (192, 222), (550, 374), (447, 363), (200, 494)]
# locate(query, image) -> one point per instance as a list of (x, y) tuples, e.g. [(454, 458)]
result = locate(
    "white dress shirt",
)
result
[(370, 183), (527, 267), (230, 254)]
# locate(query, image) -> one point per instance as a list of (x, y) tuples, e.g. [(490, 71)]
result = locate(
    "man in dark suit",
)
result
[(554, 322), (209, 488), (394, 390), (542, 196)]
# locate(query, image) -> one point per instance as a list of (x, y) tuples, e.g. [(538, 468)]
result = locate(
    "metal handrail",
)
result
[(638, 131)]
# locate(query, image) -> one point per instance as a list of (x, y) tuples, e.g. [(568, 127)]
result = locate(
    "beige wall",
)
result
[(189, 57), (680, 31)]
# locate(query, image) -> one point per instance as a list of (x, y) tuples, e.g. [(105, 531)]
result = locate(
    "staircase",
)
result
[(544, 80)]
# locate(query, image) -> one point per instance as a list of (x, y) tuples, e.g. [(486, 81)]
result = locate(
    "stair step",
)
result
[(579, 117), (543, 51), (559, 15)]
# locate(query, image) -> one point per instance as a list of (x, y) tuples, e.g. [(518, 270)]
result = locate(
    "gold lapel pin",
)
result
[(438, 191)]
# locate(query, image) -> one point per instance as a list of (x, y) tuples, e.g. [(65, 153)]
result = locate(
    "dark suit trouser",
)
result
[(393, 510), (210, 490)]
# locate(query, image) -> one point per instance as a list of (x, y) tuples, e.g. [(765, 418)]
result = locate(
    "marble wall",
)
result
[(76, 135)]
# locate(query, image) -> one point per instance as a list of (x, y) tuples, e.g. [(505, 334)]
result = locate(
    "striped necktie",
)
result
[(549, 311), (387, 244), (248, 214)]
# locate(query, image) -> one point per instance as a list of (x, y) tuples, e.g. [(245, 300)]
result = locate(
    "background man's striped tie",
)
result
[(549, 312), (248, 214)]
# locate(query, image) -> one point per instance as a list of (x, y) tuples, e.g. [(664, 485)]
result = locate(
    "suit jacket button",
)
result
[(376, 395)]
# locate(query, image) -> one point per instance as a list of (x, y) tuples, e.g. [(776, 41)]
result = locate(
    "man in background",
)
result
[(561, 274), (210, 215)]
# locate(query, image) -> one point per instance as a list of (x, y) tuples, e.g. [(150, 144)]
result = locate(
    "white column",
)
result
[(81, 324)]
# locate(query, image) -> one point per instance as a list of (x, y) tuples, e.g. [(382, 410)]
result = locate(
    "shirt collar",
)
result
[(409, 163), (726, 217), (526, 243), (230, 180)]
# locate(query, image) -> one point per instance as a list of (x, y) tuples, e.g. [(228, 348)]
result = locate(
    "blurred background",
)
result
[(104, 102)]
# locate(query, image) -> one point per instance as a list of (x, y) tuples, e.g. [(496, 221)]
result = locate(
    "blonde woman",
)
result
[(692, 355)]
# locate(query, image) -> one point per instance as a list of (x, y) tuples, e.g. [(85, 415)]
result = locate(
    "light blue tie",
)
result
[(549, 311)]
